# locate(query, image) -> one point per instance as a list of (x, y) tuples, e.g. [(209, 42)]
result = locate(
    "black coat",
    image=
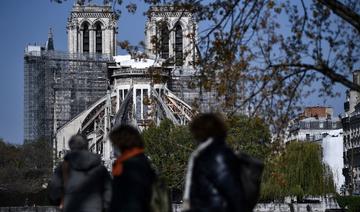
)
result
[(215, 184), (132, 189), (88, 184)]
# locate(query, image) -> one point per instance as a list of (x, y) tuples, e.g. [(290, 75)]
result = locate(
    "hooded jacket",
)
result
[(87, 185)]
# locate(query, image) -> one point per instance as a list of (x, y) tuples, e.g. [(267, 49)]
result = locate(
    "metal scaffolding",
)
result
[(58, 86)]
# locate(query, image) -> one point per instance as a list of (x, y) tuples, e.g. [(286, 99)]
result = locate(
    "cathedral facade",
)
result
[(90, 89), (141, 90)]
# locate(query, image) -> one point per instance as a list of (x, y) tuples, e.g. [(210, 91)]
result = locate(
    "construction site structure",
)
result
[(142, 90), (90, 90), (58, 86), (138, 95)]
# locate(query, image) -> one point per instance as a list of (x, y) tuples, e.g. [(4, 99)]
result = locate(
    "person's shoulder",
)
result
[(140, 158), (139, 167), (216, 154), (137, 162), (214, 149)]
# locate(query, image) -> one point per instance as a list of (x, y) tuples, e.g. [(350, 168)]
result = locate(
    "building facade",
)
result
[(313, 124), (171, 34), (351, 125), (92, 29)]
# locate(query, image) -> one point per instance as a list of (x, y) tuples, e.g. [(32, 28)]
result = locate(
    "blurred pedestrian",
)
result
[(133, 175), (212, 179), (81, 183)]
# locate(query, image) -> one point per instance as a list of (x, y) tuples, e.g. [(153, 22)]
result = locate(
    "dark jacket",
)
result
[(88, 183), (132, 189), (215, 184)]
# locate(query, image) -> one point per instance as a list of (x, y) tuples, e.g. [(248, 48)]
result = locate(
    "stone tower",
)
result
[(92, 29), (170, 34)]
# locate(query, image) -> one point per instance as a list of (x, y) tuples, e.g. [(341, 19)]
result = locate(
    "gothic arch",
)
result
[(98, 27), (178, 44), (85, 28), (98, 20), (83, 22), (177, 21), (164, 39), (163, 22)]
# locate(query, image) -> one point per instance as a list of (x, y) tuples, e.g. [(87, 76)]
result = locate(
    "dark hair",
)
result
[(208, 125), (78, 142), (126, 137)]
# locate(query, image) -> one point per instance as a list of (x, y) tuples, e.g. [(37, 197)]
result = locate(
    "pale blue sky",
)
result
[(26, 22)]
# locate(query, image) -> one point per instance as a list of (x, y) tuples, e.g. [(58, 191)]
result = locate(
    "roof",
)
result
[(127, 61), (310, 119)]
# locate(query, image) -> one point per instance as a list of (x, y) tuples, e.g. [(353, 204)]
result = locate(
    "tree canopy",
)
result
[(297, 171), (169, 148), (25, 168), (250, 135)]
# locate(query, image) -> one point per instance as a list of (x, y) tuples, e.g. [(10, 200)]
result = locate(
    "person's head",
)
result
[(207, 125), (126, 137), (78, 142)]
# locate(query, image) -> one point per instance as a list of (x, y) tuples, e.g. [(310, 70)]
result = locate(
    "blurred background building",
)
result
[(318, 124), (351, 124)]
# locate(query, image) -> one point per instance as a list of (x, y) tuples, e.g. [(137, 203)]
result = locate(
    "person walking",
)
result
[(133, 175), (212, 182), (81, 183)]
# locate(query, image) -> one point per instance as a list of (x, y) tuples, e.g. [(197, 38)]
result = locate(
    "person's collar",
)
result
[(125, 155)]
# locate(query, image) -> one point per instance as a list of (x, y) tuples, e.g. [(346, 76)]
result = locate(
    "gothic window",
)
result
[(178, 45), (164, 41), (98, 39), (86, 37)]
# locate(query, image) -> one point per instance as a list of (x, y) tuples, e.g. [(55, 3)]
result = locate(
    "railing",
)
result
[(136, 71), (62, 55), (130, 71)]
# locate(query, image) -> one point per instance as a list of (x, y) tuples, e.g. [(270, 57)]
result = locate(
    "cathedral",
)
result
[(90, 89)]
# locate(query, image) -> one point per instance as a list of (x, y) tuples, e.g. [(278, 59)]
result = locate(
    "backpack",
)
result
[(250, 173), (160, 198)]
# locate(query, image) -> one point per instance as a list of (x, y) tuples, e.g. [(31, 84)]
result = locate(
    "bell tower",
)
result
[(170, 34), (92, 29)]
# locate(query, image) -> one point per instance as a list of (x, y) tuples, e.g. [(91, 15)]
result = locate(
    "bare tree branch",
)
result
[(343, 12), (325, 70)]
